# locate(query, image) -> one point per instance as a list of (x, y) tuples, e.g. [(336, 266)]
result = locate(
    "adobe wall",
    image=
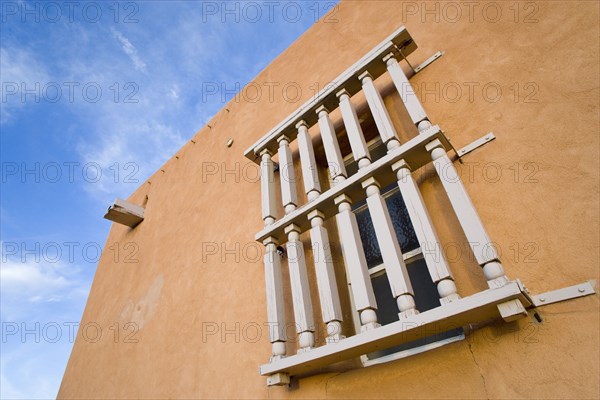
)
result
[(542, 211)]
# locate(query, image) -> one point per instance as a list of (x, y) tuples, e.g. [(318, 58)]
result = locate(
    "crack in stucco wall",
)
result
[(487, 396), (330, 378)]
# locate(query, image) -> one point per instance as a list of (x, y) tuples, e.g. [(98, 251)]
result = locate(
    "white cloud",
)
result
[(129, 49), (31, 280), (34, 296), (137, 142), (25, 366), (37, 282), (28, 286), (174, 92), (19, 70)]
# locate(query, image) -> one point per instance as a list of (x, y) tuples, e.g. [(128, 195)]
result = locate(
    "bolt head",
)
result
[(581, 290)]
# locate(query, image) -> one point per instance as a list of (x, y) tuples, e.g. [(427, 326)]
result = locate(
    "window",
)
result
[(379, 294), (426, 294)]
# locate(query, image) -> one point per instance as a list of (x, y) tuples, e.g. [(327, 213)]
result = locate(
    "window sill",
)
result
[(476, 308)]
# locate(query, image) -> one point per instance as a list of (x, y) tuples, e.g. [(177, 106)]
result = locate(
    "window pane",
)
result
[(426, 298), (368, 238), (402, 224), (376, 153)]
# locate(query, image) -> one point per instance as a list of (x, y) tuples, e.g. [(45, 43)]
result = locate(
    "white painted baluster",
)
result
[(337, 169), (460, 200), (360, 152), (352, 249), (384, 230), (310, 173), (356, 263), (287, 174), (407, 94), (275, 302), (438, 267), (390, 250), (273, 281), (477, 236), (434, 257), (303, 311), (328, 291), (354, 255), (267, 184), (379, 112)]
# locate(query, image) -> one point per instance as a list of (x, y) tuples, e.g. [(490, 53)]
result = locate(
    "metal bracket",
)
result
[(571, 292), (474, 145), (425, 63)]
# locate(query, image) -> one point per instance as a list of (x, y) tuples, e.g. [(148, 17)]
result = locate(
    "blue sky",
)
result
[(95, 97)]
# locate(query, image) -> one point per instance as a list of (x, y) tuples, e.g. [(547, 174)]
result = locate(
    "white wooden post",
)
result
[(326, 282), (352, 249), (459, 198), (337, 169), (384, 230), (328, 291), (438, 267), (275, 302), (267, 184), (360, 152), (407, 94), (356, 263), (390, 250), (388, 133), (289, 195), (310, 174), (303, 311), (478, 239), (429, 242)]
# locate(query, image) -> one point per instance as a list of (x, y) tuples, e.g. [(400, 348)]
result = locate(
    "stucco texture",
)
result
[(542, 211)]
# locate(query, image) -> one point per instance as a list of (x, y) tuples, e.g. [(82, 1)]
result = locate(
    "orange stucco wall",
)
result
[(535, 187)]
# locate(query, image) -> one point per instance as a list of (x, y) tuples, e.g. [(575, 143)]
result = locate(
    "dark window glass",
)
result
[(404, 230), (376, 153), (426, 298), (426, 295), (402, 224), (368, 238)]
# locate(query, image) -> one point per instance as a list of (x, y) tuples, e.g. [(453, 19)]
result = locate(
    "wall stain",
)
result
[(144, 309)]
